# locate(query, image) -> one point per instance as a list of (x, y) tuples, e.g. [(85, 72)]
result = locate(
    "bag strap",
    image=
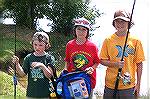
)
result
[(49, 59), (54, 77)]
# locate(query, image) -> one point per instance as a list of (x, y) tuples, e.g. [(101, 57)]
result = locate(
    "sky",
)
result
[(141, 29)]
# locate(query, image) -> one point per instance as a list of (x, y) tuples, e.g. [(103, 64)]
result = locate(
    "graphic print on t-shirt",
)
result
[(36, 73), (80, 60), (128, 51)]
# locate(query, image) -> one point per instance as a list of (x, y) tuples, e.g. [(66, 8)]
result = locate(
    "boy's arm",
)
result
[(20, 70), (110, 64), (139, 74), (48, 72), (95, 65), (66, 66)]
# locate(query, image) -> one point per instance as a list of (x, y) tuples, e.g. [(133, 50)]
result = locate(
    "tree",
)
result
[(60, 12), (25, 12), (1, 8), (1, 5)]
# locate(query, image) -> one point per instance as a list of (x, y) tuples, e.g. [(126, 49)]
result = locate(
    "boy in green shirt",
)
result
[(38, 67)]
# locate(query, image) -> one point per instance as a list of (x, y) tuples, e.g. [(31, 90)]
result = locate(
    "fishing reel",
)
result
[(126, 78)]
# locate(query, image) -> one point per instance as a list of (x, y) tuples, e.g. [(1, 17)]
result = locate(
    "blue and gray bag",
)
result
[(75, 85)]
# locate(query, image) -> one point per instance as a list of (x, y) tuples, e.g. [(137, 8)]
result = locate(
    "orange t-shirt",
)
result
[(112, 50)]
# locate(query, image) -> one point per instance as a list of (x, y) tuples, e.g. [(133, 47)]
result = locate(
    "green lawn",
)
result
[(7, 87), (7, 49), (11, 97)]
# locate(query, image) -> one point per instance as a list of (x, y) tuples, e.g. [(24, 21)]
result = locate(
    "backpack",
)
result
[(74, 85)]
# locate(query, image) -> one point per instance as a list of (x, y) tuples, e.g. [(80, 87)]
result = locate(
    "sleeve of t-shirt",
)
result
[(104, 51), (67, 53), (53, 60), (139, 52), (50, 60), (51, 63)]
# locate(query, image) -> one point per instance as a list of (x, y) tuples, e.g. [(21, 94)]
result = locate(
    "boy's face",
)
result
[(121, 25), (81, 32), (39, 47)]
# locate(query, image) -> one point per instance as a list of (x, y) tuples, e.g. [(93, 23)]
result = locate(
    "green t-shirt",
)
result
[(38, 84)]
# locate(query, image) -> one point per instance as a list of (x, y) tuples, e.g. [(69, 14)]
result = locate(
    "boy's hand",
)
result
[(137, 90), (89, 70), (37, 64), (120, 64), (15, 59)]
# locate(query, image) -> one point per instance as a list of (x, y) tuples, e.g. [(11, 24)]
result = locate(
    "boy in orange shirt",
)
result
[(111, 54)]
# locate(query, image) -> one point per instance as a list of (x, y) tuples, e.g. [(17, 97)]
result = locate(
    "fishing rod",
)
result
[(120, 69), (15, 75)]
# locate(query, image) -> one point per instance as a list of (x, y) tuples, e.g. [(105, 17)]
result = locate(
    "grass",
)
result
[(7, 42), (7, 87), (7, 49), (11, 97)]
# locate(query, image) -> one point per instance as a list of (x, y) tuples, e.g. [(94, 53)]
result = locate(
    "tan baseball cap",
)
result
[(41, 36), (122, 14)]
